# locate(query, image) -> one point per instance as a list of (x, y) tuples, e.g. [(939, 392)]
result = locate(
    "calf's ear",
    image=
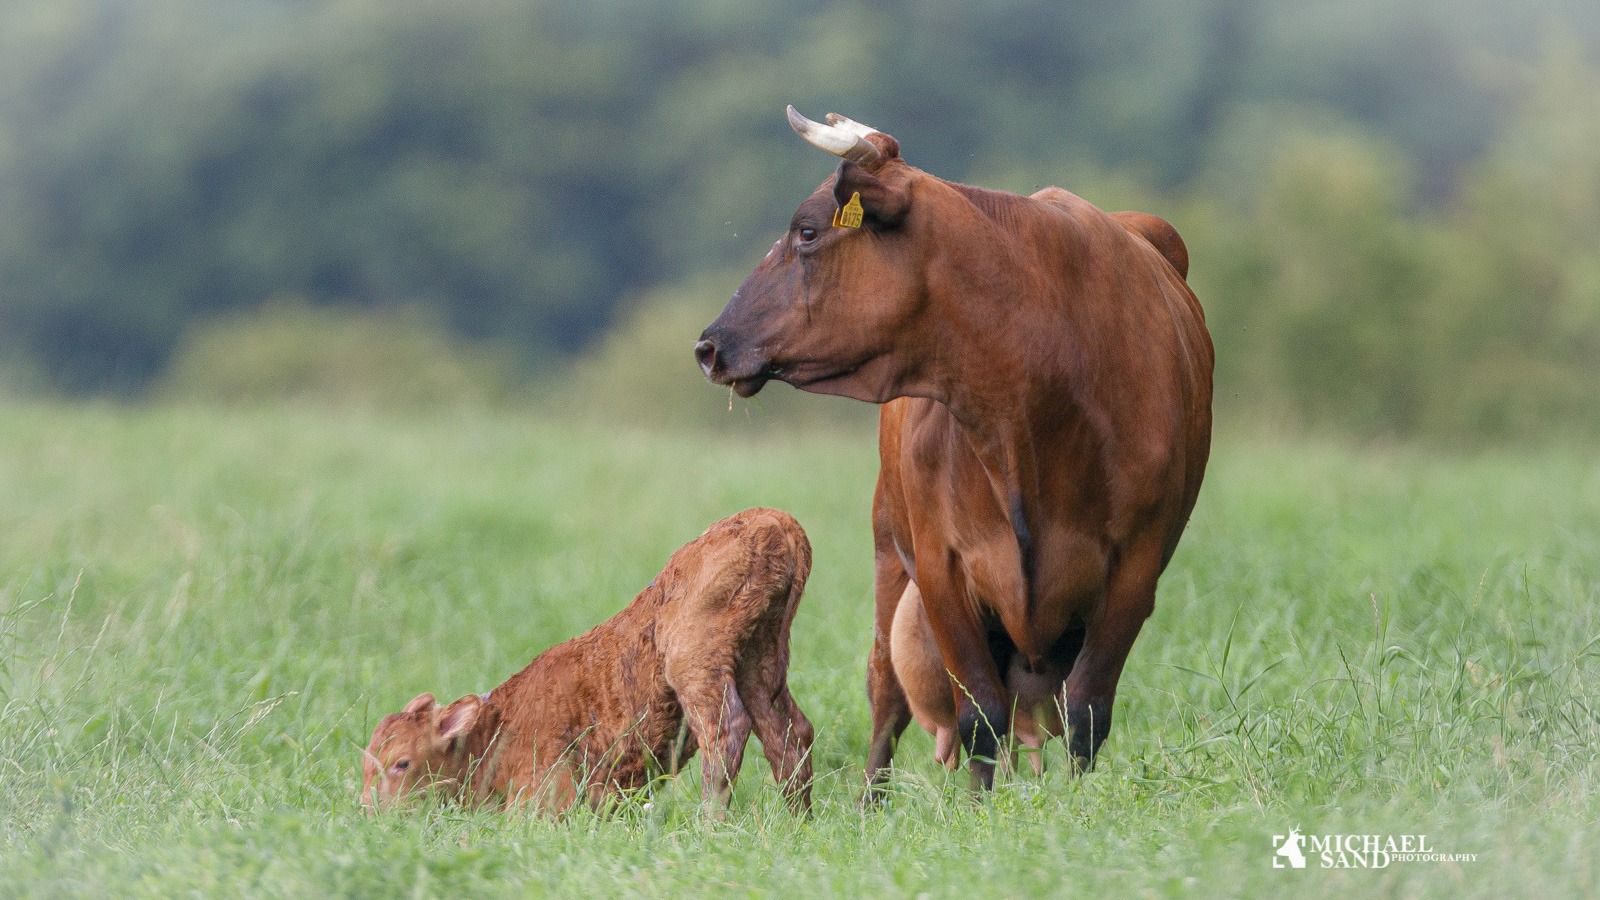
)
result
[(419, 703), (458, 719), (885, 196)]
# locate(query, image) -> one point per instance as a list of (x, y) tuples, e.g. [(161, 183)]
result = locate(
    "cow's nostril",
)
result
[(706, 353)]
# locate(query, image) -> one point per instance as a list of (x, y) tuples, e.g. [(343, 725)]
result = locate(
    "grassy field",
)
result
[(203, 613)]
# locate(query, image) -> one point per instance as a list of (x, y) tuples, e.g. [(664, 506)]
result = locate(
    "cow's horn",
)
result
[(840, 141), (850, 125)]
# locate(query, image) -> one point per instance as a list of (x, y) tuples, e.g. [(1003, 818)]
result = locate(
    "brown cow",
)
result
[(697, 660), (1045, 375)]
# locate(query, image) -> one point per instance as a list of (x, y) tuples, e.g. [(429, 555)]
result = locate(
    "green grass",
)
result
[(203, 613)]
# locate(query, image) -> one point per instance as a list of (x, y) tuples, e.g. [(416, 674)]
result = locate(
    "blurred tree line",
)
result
[(1393, 208)]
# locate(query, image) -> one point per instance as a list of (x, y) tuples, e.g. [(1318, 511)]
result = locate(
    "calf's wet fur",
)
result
[(697, 662)]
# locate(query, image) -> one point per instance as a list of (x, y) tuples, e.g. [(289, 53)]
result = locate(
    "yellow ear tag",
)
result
[(849, 215)]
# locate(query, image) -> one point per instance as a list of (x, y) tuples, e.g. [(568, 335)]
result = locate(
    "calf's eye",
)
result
[(808, 234), (402, 765)]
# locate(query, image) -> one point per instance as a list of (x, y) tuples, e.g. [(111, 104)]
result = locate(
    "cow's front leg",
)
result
[(981, 716), (983, 709), (1091, 688)]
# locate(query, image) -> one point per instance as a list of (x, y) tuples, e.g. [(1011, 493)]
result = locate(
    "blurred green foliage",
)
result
[(1336, 301), (290, 352), (1392, 207)]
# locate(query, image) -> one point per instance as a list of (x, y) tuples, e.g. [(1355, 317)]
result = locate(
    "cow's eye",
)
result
[(808, 234), (402, 765)]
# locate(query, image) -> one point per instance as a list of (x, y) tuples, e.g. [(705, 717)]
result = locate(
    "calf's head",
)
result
[(834, 303), (421, 747)]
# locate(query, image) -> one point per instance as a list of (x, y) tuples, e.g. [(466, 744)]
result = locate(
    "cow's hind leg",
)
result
[(1091, 687), (891, 712), (890, 716)]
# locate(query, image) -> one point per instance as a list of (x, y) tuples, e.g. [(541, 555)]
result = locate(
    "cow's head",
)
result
[(830, 304), (416, 749)]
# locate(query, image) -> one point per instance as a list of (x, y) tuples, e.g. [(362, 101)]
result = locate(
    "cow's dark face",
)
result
[(829, 307)]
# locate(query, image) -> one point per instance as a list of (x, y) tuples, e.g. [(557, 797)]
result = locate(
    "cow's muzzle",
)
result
[(717, 370), (705, 352)]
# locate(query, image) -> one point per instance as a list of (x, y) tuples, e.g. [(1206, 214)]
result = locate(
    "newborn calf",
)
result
[(696, 661), (930, 692)]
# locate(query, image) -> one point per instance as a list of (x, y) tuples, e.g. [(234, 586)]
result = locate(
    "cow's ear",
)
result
[(419, 703), (458, 718), (885, 196)]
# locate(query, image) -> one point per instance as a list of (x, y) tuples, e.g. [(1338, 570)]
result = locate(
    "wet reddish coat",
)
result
[(697, 661)]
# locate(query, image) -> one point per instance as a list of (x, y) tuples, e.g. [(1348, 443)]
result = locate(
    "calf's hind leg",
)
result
[(785, 734), (721, 726)]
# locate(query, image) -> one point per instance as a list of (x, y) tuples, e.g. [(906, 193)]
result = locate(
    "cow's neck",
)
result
[(998, 360)]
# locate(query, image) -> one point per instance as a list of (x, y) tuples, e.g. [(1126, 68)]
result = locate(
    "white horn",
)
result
[(851, 125), (843, 142)]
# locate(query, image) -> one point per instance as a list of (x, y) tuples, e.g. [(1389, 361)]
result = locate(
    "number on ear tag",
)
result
[(849, 215)]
